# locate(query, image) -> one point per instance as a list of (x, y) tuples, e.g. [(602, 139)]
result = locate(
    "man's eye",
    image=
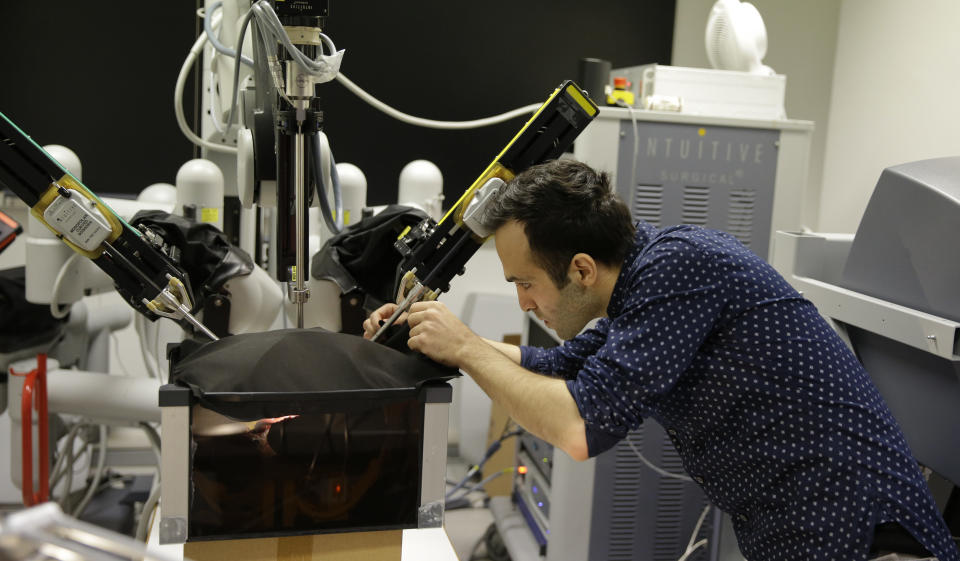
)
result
[(523, 285)]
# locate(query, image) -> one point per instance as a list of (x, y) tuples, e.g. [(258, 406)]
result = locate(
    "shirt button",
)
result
[(698, 479), (671, 432), (743, 518)]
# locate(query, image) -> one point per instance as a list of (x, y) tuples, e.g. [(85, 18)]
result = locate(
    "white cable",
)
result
[(696, 529), (154, 437), (178, 97), (267, 17), (71, 469), (430, 123), (636, 143), (55, 310), (146, 513), (140, 326), (61, 454), (156, 352), (216, 107), (328, 170), (337, 192), (325, 163), (235, 97), (116, 342), (650, 465), (269, 25), (691, 547), (68, 484), (689, 552), (215, 41), (98, 474), (67, 470)]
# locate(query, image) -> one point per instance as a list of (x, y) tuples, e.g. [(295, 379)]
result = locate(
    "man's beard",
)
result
[(575, 308)]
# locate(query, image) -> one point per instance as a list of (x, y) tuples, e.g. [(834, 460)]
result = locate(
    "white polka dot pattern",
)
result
[(771, 413)]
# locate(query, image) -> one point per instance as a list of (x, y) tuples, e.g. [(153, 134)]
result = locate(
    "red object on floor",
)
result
[(35, 394)]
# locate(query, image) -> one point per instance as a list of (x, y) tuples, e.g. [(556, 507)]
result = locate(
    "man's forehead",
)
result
[(512, 230), (514, 252), (529, 272)]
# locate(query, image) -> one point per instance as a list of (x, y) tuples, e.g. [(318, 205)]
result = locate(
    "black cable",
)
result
[(476, 547), (494, 447), (496, 549)]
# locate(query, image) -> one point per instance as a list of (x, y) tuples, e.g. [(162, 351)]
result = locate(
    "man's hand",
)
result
[(372, 324), (437, 333), (542, 404)]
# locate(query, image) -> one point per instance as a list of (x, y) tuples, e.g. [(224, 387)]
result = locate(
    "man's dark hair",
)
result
[(565, 208)]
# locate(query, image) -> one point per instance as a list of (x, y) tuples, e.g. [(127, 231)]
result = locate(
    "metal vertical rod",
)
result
[(301, 222)]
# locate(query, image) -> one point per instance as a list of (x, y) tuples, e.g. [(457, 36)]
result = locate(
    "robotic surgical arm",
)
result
[(139, 261), (433, 253)]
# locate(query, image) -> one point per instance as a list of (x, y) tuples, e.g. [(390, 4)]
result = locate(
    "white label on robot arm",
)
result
[(78, 219)]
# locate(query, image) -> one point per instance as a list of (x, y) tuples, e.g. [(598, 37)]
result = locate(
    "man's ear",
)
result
[(583, 269)]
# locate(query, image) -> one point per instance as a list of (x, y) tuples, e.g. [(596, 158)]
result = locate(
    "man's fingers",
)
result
[(414, 319), (418, 342), (424, 305), (399, 321), (379, 317), (368, 329), (373, 323), (383, 312), (419, 313)]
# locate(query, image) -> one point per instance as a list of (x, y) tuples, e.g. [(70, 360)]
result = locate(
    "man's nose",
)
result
[(526, 304)]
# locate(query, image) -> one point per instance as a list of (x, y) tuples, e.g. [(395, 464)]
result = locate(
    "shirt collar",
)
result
[(645, 234)]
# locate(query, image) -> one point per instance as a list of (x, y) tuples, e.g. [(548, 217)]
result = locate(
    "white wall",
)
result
[(801, 38), (880, 78), (896, 90)]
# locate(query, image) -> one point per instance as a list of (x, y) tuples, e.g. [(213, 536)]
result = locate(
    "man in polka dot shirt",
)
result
[(771, 413)]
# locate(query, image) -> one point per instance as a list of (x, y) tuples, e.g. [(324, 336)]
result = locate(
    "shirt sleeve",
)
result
[(675, 299), (565, 360)]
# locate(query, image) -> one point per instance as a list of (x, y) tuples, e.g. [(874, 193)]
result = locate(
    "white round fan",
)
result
[(736, 38)]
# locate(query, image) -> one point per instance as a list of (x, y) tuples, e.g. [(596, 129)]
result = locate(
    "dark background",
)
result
[(98, 77)]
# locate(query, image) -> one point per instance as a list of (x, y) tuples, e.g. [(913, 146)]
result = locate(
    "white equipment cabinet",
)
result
[(744, 176)]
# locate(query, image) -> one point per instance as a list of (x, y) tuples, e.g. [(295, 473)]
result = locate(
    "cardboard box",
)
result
[(353, 546)]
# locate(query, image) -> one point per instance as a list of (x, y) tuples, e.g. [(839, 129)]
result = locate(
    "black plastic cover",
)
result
[(22, 324), (261, 375), (205, 252), (362, 257)]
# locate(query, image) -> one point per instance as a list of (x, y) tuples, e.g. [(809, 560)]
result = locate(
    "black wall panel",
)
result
[(99, 77)]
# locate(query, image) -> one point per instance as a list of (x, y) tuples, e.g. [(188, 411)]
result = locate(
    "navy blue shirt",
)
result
[(769, 410)]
